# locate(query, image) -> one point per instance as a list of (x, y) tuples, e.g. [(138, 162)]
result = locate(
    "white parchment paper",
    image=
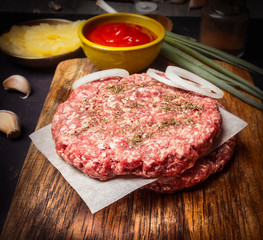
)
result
[(99, 194)]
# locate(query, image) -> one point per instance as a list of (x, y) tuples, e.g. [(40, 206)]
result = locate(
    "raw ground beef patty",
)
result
[(203, 168), (134, 125)]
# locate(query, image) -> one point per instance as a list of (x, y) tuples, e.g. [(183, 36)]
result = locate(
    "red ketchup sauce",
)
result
[(120, 34)]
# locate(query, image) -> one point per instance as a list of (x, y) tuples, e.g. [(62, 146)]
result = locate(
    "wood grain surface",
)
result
[(228, 205)]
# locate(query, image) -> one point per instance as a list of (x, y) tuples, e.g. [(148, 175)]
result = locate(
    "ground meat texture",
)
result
[(134, 125), (203, 168)]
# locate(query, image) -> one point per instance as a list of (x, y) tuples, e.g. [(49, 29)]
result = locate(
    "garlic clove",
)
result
[(10, 124), (19, 83)]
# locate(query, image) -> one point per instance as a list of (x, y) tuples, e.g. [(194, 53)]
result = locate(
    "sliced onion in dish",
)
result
[(194, 82), (154, 74), (115, 72)]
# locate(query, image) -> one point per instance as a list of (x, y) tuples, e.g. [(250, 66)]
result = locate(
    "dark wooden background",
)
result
[(165, 7)]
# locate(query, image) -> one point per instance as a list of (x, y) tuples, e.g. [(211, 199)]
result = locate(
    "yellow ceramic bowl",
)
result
[(133, 59)]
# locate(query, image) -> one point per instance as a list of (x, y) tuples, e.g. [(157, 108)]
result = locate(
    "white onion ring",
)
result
[(198, 85), (115, 72), (153, 73)]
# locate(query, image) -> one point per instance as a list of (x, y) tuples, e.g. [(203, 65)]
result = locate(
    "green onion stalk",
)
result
[(190, 63), (219, 71), (213, 52)]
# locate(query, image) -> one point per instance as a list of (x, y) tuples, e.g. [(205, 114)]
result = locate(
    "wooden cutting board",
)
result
[(228, 205)]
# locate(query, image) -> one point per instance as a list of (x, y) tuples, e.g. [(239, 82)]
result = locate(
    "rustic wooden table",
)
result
[(140, 207), (228, 205)]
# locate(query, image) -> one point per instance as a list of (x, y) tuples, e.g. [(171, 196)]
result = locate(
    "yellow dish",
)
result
[(133, 59)]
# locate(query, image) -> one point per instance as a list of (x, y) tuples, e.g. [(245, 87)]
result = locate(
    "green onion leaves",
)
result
[(186, 53)]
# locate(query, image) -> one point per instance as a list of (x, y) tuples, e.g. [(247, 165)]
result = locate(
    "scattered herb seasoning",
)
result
[(189, 121), (192, 106), (133, 105), (137, 138), (167, 123), (167, 107), (169, 98), (104, 121), (116, 89), (169, 103), (85, 127)]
